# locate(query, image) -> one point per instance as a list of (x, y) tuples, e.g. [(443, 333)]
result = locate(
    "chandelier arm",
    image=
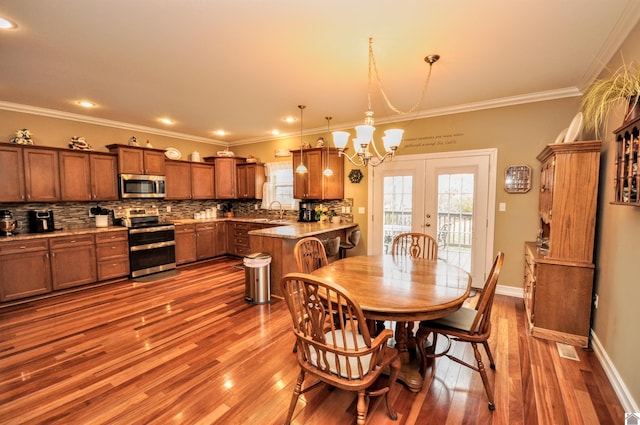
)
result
[(373, 66)]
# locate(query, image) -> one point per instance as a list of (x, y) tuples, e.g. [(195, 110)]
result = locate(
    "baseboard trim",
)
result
[(627, 401), (510, 291)]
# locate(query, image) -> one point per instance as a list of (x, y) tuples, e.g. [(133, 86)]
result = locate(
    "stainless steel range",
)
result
[(152, 245)]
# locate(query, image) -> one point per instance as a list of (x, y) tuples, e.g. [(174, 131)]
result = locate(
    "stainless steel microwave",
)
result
[(141, 186)]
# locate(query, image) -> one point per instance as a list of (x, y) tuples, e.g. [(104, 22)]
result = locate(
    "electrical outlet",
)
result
[(595, 300), (168, 208)]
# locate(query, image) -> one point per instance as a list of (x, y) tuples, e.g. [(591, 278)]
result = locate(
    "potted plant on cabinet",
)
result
[(622, 87)]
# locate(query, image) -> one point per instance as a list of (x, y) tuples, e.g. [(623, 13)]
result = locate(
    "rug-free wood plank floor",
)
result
[(189, 350)]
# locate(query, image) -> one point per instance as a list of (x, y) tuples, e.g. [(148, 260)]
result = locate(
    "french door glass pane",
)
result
[(398, 196), (455, 218)]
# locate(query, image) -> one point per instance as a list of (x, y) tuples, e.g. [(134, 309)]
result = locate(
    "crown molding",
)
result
[(52, 113)]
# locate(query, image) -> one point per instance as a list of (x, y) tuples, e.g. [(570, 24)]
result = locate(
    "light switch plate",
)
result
[(361, 210)]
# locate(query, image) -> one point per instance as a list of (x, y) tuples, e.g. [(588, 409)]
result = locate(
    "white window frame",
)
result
[(272, 169)]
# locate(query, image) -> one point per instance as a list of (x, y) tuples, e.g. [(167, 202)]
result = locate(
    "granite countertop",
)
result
[(69, 232), (296, 230)]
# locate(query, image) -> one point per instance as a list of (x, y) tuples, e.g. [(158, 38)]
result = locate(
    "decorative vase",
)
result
[(335, 219)]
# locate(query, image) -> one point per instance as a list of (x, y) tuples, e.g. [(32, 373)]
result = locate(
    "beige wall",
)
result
[(616, 320)]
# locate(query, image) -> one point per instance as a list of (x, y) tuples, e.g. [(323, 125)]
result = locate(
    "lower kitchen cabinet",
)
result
[(73, 260), (112, 251), (186, 246), (25, 270), (205, 240)]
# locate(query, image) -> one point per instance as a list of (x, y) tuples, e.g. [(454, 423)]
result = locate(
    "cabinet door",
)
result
[(186, 247), (73, 261), (104, 177), (75, 176), (154, 162), (130, 160), (205, 235), (41, 175), (333, 185), (221, 239), (308, 185), (546, 190), (178, 180), (11, 174), (24, 269), (242, 182), (202, 181), (225, 178)]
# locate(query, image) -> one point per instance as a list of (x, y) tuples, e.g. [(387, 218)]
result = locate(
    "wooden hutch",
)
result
[(559, 272)]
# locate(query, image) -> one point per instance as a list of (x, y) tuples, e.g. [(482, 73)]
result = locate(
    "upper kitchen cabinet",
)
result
[(314, 184), (41, 175), (189, 180), (250, 179), (137, 160), (11, 173), (225, 176), (88, 176)]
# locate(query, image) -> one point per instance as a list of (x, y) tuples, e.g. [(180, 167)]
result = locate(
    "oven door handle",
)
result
[(153, 229), (151, 246)]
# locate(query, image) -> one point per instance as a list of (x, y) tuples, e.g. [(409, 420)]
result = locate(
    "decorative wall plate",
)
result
[(355, 176), (172, 153)]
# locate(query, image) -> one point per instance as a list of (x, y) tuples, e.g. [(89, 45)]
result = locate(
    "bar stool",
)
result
[(350, 243)]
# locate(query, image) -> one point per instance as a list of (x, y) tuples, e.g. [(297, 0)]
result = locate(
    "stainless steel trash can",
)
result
[(257, 278)]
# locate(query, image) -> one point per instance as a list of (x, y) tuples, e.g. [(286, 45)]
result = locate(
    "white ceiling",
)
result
[(244, 65)]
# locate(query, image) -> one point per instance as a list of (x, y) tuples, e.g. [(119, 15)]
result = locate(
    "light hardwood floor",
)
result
[(189, 350)]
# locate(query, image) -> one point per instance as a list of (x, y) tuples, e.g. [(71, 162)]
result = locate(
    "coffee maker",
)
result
[(41, 221), (8, 225), (307, 213)]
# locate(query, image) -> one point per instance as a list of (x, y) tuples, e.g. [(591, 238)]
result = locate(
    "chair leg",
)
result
[(395, 366), (362, 406), (492, 364), (483, 375), (294, 398)]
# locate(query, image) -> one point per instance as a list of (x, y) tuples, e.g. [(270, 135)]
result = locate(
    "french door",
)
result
[(450, 197)]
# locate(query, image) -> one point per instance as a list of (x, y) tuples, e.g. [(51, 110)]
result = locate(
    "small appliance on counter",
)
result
[(307, 212), (8, 225), (41, 221)]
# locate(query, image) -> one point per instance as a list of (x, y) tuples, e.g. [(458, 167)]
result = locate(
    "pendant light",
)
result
[(328, 172), (301, 168)]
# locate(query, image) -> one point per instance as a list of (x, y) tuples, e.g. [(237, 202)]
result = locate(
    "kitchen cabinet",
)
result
[(202, 181), (314, 184), (225, 176), (205, 240), (186, 243), (250, 179), (11, 173), (178, 180), (559, 274), (25, 269), (41, 175), (88, 176), (221, 247), (73, 260), (138, 160), (112, 253), (189, 181)]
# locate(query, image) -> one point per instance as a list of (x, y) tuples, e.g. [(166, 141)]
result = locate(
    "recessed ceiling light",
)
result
[(167, 121), (221, 133), (275, 132), (289, 119), (6, 24), (86, 104)]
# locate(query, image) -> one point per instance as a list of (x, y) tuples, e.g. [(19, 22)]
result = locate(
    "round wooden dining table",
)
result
[(401, 289)]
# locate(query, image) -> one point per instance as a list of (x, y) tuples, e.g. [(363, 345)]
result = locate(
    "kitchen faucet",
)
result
[(281, 208)]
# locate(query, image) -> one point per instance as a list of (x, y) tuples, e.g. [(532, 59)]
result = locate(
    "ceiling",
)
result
[(244, 65)]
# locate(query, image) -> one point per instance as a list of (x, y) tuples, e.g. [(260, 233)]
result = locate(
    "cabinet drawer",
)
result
[(205, 226), (71, 241), (18, 247), (185, 228), (112, 269), (112, 236), (112, 250)]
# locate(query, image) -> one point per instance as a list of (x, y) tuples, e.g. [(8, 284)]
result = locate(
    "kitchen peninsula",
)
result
[(280, 241)]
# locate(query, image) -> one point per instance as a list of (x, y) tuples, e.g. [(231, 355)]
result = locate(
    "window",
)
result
[(279, 185)]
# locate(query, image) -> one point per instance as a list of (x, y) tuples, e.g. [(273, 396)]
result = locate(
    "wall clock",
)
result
[(517, 179), (355, 176)]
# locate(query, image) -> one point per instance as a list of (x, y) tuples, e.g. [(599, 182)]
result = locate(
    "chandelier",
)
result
[(365, 149)]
